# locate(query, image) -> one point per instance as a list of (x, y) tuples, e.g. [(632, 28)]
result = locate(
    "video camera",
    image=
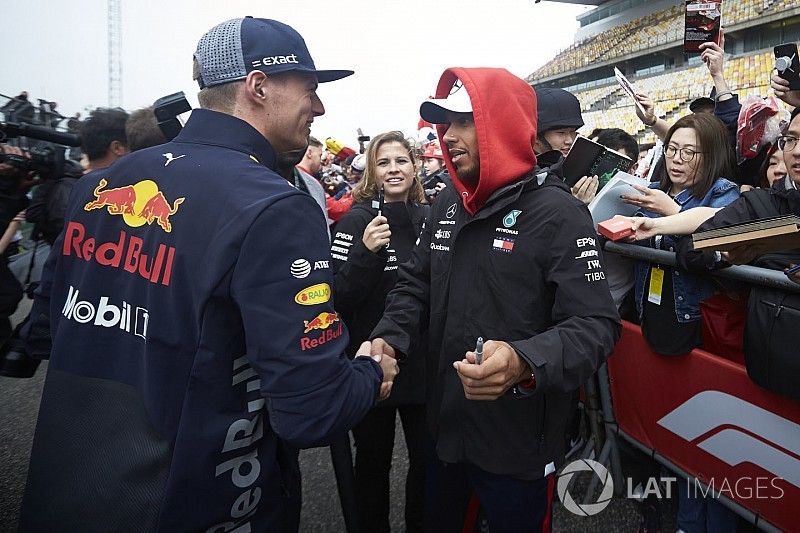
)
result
[(46, 158)]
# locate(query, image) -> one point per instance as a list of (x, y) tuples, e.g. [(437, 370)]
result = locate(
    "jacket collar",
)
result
[(219, 129)]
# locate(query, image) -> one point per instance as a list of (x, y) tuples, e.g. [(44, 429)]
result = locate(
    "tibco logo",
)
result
[(106, 315)]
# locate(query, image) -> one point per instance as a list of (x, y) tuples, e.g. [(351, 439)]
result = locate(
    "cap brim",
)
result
[(435, 111), (324, 76)]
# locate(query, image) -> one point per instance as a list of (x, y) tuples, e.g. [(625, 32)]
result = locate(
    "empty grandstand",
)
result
[(644, 39)]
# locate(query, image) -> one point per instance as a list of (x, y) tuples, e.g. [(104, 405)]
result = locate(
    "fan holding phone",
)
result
[(785, 79)]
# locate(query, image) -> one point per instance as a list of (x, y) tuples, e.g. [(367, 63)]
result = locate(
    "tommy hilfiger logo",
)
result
[(503, 244)]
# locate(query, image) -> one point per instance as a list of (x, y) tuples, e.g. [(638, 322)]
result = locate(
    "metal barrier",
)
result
[(698, 415)]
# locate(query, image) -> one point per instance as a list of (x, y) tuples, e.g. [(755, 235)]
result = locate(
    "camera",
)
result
[(45, 158)]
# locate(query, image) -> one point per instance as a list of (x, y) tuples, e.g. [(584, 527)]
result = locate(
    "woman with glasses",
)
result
[(698, 162), (370, 241)]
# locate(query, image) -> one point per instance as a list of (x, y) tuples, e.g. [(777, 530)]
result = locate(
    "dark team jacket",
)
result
[(195, 343), (526, 269), (363, 279), (511, 256)]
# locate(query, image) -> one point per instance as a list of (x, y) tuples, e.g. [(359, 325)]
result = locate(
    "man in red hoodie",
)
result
[(510, 256)]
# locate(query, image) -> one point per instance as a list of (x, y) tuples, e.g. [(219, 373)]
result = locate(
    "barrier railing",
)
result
[(701, 417)]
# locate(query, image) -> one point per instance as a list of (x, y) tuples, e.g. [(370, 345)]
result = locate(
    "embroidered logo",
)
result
[(511, 218)]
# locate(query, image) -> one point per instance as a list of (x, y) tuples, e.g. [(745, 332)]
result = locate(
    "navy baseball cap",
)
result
[(231, 50)]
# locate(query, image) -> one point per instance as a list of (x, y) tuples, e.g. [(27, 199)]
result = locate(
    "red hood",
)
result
[(504, 109)]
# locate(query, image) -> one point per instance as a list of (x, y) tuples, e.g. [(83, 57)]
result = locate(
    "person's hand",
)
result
[(586, 188), (653, 200), (383, 354), (376, 234), (501, 369), (794, 277), (643, 228), (744, 253), (782, 91), (649, 116), (713, 55)]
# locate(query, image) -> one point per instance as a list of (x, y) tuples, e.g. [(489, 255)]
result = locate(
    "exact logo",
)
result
[(301, 268), (585, 509), (139, 204), (313, 295), (274, 60)]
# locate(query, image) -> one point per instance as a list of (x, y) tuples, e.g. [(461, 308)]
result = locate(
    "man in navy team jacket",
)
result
[(195, 342)]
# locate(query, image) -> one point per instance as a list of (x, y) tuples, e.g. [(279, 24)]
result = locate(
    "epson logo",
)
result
[(106, 315), (274, 60)]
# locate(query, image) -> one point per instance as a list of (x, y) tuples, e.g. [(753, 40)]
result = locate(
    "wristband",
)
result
[(655, 119), (720, 95)]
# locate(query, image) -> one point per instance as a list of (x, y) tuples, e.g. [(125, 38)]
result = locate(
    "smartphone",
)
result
[(788, 65)]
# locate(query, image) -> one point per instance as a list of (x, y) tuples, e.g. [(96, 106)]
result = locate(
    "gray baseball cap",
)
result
[(231, 50)]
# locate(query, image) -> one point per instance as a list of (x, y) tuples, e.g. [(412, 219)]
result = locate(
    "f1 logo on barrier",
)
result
[(734, 445)]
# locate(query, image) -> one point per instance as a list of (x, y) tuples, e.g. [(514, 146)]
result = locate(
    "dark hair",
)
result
[(367, 187), (717, 160), (795, 112), (313, 141), (142, 129), (103, 126), (618, 140)]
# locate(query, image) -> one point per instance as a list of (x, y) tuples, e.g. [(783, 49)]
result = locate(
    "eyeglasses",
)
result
[(787, 142), (686, 154)]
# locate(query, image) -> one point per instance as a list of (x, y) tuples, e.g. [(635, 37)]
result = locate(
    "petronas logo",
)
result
[(511, 218)]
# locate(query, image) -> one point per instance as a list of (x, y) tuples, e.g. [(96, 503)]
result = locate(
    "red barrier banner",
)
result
[(702, 412)]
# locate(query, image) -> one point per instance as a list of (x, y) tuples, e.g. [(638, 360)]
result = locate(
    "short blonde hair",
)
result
[(367, 188), (219, 97)]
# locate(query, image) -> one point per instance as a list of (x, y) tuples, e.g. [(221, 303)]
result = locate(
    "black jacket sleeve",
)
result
[(586, 325), (357, 270), (408, 304), (704, 260)]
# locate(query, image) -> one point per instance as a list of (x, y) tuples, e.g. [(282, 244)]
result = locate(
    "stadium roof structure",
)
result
[(581, 2)]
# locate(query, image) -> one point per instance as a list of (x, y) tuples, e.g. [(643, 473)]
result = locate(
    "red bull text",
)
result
[(126, 252)]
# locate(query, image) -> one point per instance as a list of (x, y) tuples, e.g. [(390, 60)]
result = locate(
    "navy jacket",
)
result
[(195, 344)]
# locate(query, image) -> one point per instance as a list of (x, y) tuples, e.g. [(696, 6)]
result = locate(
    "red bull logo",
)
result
[(323, 320), (310, 342), (139, 204), (127, 252)]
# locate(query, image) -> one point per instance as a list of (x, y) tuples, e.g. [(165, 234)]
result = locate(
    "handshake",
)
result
[(383, 354), (501, 369)]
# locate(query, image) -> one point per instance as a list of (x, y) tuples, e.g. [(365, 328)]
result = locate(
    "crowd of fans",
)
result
[(376, 199)]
